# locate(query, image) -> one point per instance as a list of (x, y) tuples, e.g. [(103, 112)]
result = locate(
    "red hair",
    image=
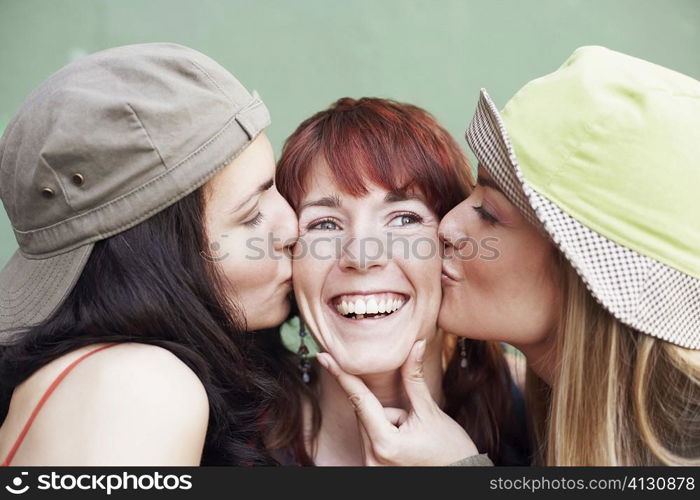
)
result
[(403, 149), (396, 146)]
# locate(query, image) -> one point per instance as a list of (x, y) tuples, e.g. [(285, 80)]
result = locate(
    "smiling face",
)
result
[(250, 227), (366, 273), (509, 291)]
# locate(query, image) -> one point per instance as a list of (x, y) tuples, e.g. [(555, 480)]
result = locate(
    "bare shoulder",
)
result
[(127, 404), (132, 370), (154, 367)]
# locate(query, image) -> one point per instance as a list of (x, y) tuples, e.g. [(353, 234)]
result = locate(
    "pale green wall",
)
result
[(301, 55)]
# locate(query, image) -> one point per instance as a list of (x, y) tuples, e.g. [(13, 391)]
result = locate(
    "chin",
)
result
[(270, 318), (371, 360)]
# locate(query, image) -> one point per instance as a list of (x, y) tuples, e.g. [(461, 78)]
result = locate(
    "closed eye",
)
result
[(485, 215), (255, 221)]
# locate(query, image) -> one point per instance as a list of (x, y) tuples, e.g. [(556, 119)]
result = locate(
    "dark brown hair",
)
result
[(152, 284)]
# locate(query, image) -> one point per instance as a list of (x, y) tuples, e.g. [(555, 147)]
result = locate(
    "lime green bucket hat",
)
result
[(604, 156)]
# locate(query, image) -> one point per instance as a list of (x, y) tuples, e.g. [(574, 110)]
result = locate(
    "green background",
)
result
[(302, 55)]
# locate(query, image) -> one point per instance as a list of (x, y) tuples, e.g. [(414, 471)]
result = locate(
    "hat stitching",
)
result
[(37, 293), (58, 180), (29, 277), (148, 136), (213, 82)]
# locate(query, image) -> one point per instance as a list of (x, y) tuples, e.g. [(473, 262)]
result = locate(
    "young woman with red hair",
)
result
[(370, 180)]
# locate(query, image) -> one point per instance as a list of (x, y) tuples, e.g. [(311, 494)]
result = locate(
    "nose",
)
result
[(451, 230), (286, 228), (362, 251)]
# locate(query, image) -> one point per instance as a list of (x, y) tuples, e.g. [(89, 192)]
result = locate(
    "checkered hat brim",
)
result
[(639, 291)]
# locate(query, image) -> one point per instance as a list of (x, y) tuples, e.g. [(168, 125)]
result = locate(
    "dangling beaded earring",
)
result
[(303, 353), (463, 352)]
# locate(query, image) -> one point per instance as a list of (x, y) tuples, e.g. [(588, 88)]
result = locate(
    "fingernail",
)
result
[(421, 350)]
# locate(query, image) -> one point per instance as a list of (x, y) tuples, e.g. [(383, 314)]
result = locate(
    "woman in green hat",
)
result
[(589, 179)]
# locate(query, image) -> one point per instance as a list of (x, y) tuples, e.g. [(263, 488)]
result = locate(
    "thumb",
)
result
[(367, 407), (367, 450)]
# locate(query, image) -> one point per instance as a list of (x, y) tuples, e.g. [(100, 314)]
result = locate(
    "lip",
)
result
[(447, 275), (365, 292), (356, 322)]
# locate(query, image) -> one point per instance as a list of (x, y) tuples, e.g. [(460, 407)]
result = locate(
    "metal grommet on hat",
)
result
[(602, 156), (142, 141), (78, 179)]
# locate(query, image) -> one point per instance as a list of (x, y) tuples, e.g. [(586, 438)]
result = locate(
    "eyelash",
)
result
[(417, 220), (314, 225), (255, 221), (486, 216)]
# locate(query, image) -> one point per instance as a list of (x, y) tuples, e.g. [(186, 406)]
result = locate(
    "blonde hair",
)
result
[(618, 396)]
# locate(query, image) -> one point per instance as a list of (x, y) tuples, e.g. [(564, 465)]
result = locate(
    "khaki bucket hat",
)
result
[(604, 156), (103, 144)]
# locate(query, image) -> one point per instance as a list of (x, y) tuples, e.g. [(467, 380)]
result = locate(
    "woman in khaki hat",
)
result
[(588, 179), (140, 187)]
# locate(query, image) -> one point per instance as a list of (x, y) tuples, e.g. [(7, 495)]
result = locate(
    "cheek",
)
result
[(249, 266), (424, 268), (313, 264), (308, 274), (511, 298)]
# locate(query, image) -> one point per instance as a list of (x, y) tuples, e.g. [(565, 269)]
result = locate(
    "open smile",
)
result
[(368, 306)]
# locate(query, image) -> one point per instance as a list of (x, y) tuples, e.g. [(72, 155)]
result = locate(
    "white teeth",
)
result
[(368, 305), (372, 306)]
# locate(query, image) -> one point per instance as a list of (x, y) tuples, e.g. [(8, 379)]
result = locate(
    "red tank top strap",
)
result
[(43, 400)]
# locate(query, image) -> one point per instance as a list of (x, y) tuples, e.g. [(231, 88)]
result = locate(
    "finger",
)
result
[(416, 389), (369, 410), (367, 449), (397, 416)]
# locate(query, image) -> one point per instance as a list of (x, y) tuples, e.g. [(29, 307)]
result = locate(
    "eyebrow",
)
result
[(396, 196), (332, 201), (489, 183), (261, 189)]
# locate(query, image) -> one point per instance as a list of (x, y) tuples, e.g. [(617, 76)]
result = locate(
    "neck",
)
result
[(541, 357), (339, 441)]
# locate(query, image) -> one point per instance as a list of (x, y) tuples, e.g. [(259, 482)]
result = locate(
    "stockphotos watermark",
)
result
[(361, 250), (106, 483)]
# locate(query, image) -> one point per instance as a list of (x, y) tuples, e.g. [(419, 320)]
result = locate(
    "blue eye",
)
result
[(406, 219), (486, 216), (324, 225), (255, 221)]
